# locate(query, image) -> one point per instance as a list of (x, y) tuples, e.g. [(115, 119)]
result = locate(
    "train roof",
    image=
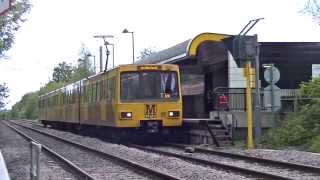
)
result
[(71, 86)]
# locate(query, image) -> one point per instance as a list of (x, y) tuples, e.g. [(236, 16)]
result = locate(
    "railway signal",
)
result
[(245, 51)]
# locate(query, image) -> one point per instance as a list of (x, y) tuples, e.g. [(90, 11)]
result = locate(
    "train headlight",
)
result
[(174, 114), (126, 115)]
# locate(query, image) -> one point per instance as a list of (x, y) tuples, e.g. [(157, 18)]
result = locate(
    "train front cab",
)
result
[(149, 98)]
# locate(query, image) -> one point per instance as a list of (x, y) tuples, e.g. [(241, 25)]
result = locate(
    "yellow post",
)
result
[(250, 144)]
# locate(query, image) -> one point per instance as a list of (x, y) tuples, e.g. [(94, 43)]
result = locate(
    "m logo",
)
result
[(150, 111)]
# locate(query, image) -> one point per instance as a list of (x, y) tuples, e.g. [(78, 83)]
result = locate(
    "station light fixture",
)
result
[(132, 36)]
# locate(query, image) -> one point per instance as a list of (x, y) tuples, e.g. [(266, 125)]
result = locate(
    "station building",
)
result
[(207, 67)]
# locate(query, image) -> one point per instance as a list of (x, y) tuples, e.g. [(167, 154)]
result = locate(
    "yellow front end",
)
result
[(149, 96), (169, 114)]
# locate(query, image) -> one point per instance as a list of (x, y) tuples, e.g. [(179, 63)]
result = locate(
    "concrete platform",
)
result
[(197, 120), (4, 175)]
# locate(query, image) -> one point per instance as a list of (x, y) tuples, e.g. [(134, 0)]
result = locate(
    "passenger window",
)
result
[(107, 89), (111, 87), (94, 92), (98, 91)]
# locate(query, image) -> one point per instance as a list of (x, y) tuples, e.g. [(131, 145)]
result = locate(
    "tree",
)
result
[(27, 107), (84, 58), (312, 8), (62, 72), (146, 52), (10, 23), (3, 94), (84, 68), (301, 128)]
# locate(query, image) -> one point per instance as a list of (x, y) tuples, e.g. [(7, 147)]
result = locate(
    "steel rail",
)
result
[(109, 156), (309, 168), (54, 154), (215, 164)]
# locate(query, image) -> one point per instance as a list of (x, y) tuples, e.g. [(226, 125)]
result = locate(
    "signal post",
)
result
[(245, 50)]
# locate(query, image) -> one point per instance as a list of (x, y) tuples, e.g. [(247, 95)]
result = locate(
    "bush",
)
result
[(300, 128), (315, 144)]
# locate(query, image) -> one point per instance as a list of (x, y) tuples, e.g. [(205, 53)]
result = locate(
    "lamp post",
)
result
[(111, 44), (126, 31), (106, 43)]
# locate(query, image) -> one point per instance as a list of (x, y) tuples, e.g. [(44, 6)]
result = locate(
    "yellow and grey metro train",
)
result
[(144, 98)]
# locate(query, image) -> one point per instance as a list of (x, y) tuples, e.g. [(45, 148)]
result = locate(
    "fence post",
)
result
[(35, 161), (295, 103)]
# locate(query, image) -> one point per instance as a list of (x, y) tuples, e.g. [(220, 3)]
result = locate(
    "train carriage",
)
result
[(131, 97)]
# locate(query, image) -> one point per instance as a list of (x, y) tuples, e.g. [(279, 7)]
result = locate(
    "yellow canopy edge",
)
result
[(195, 42)]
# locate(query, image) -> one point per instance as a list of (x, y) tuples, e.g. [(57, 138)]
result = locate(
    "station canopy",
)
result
[(182, 51)]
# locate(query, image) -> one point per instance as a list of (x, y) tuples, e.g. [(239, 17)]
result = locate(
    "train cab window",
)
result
[(169, 85), (154, 85)]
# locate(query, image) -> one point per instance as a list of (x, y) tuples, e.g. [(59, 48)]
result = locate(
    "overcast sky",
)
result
[(56, 29)]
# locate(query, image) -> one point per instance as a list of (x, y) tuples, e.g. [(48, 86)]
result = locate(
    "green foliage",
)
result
[(50, 86), (10, 23), (84, 63), (27, 107), (315, 144), (4, 115), (301, 128), (80, 73), (62, 72), (311, 88)]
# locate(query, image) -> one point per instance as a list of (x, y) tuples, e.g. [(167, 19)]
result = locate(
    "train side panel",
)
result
[(99, 108)]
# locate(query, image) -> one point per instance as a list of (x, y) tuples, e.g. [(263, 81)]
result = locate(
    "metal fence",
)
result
[(283, 99)]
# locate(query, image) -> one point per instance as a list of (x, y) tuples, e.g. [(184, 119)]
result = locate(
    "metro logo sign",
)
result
[(4, 6), (150, 111)]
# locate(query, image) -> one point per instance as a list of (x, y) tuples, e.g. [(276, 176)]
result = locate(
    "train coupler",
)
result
[(152, 126)]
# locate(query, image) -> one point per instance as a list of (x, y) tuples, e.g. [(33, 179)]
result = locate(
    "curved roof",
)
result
[(184, 50)]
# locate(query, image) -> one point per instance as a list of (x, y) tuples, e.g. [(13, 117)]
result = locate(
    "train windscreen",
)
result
[(150, 85)]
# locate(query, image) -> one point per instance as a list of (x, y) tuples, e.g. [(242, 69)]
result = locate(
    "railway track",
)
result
[(245, 165), (302, 167), (257, 167), (75, 169), (93, 164)]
